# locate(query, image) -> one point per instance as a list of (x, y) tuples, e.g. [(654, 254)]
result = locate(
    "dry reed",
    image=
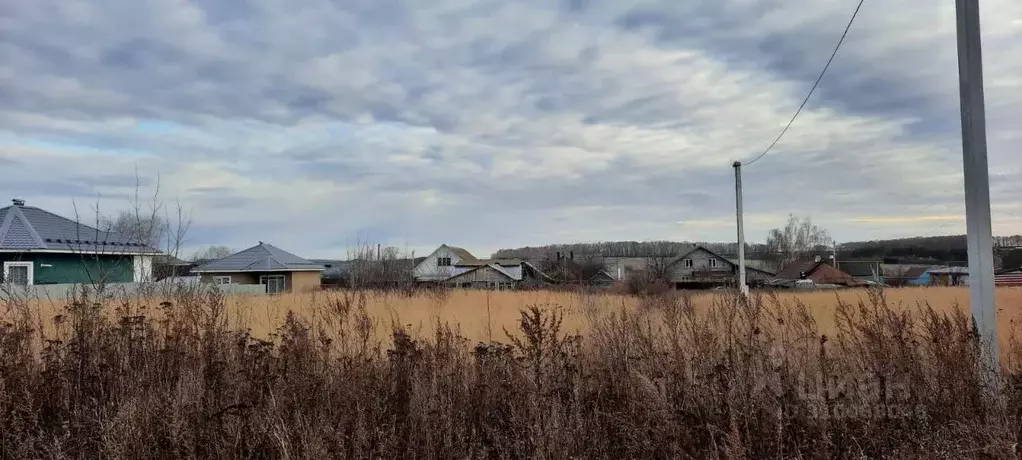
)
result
[(505, 375)]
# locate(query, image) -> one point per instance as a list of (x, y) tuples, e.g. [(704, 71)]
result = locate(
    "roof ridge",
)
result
[(16, 214), (5, 226), (69, 220)]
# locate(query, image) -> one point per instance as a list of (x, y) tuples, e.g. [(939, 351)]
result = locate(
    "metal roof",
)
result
[(481, 262), (26, 228), (950, 270), (260, 258), (904, 271), (462, 253), (861, 268), (497, 268)]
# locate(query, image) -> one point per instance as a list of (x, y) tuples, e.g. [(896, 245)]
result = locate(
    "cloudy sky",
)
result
[(320, 123)]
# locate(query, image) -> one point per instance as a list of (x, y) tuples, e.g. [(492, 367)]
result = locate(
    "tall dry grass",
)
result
[(503, 375), (481, 315)]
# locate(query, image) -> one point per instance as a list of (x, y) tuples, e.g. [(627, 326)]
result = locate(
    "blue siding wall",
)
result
[(923, 280)]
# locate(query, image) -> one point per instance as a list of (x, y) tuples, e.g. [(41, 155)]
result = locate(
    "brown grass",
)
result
[(481, 316), (557, 376)]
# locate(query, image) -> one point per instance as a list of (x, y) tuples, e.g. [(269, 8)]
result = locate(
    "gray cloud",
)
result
[(499, 123)]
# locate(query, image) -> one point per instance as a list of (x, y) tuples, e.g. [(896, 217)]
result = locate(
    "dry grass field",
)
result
[(481, 316), (507, 375)]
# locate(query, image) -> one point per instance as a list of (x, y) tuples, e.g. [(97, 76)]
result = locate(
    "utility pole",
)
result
[(742, 287), (977, 183)]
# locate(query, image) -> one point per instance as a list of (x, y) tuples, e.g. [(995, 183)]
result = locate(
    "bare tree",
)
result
[(149, 221), (378, 267), (799, 238), (213, 252), (566, 268)]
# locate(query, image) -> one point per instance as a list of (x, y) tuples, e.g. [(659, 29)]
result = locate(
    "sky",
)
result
[(321, 124)]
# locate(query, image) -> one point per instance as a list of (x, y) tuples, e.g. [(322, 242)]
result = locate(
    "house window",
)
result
[(275, 284), (18, 273), (713, 263), (443, 262), (222, 280), (688, 263)]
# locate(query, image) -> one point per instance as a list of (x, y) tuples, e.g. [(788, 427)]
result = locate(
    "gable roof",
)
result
[(860, 268), (731, 262), (27, 228), (462, 253), (480, 262), (496, 268), (695, 248), (908, 272), (260, 258), (821, 272), (794, 270)]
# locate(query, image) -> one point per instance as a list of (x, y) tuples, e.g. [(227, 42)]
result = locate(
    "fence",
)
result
[(121, 291)]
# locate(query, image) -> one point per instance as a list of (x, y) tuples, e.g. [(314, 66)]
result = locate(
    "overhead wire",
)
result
[(815, 85)]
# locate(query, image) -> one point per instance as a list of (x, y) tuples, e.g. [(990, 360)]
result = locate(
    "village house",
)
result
[(456, 267), (1008, 277), (701, 268), (818, 272), (949, 276), (906, 275), (870, 271), (39, 247), (278, 270)]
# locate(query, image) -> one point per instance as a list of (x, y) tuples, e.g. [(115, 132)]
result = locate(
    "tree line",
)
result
[(800, 238)]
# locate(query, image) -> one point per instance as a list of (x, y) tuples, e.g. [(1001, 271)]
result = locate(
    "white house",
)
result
[(443, 263), (459, 268)]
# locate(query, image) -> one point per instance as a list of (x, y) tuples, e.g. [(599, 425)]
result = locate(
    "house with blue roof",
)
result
[(40, 247), (265, 264)]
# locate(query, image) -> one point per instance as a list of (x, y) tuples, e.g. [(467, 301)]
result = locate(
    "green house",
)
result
[(39, 247)]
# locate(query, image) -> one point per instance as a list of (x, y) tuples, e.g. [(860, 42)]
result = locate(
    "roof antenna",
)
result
[(18, 202)]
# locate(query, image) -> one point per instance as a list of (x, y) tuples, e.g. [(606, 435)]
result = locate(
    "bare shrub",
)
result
[(741, 378)]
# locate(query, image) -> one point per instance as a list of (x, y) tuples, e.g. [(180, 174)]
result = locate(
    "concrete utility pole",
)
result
[(742, 287), (977, 181)]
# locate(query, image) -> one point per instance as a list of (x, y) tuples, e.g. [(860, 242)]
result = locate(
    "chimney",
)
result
[(571, 255), (18, 202)]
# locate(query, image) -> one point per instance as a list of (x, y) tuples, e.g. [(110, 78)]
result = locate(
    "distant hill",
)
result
[(935, 249), (618, 249), (950, 248)]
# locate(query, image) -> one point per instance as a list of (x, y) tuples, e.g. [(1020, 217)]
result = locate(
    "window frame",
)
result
[(18, 263), (444, 262), (219, 279), (713, 262), (689, 263), (263, 280)]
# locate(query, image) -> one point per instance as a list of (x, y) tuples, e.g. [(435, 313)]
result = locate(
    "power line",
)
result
[(811, 90)]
